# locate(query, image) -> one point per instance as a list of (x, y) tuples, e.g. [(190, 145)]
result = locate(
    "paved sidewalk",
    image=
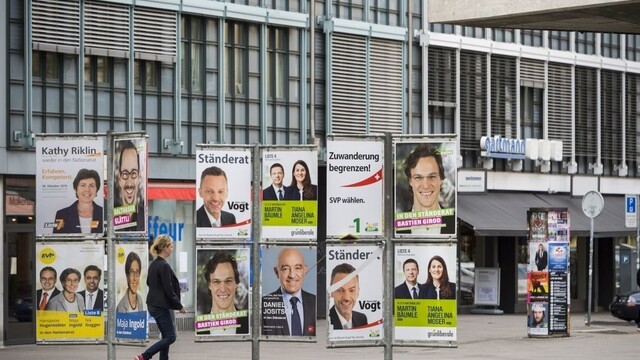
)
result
[(479, 337)]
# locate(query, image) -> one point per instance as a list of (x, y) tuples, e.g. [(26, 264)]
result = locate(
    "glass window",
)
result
[(504, 35), (610, 45), (531, 37), (237, 43), (442, 28), (474, 32), (559, 40), (633, 47), (585, 43), (277, 50)]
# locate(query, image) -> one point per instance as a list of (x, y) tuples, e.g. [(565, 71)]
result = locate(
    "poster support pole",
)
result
[(388, 235), (111, 258), (256, 235)]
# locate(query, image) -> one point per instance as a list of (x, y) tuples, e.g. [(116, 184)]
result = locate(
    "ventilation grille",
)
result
[(633, 118), (56, 25), (385, 106), (442, 75), (106, 27), (155, 32), (503, 97), (586, 111), (559, 106), (348, 82), (473, 99), (611, 113)]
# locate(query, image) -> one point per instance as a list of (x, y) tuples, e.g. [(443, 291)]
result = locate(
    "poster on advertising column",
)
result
[(355, 188), (132, 262), (425, 288), (70, 294), (289, 194), (69, 191), (223, 183), (223, 295), (355, 293), (289, 287), (425, 189), (130, 185)]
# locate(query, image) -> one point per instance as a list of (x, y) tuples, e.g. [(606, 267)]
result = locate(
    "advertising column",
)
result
[(548, 277)]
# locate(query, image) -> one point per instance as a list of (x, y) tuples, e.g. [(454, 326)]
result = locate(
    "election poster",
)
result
[(223, 183), (130, 185), (425, 286), (70, 293), (69, 186), (355, 189), (289, 286), (132, 262), (289, 194), (425, 189), (355, 291), (223, 292)]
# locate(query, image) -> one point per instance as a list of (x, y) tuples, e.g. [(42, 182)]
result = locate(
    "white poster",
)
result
[(223, 188), (355, 290), (69, 191), (355, 188), (289, 194)]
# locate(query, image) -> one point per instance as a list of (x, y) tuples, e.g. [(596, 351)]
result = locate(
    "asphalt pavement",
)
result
[(479, 337)]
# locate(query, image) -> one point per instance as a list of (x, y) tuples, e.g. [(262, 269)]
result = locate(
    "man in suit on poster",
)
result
[(277, 189), (213, 191), (48, 278), (289, 311), (92, 294), (410, 288), (341, 315)]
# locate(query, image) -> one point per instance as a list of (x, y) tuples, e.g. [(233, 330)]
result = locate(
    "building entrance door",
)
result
[(19, 282)]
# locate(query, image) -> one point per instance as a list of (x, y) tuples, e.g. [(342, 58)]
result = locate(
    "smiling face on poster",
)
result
[(130, 185), (289, 194), (132, 262), (69, 192), (355, 187), (429, 313), (223, 185), (425, 189), (223, 292), (287, 273), (62, 288), (355, 293)]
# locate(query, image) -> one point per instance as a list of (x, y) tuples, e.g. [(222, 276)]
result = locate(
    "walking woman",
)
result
[(162, 298)]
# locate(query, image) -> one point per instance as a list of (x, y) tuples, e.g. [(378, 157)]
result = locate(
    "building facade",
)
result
[(291, 71)]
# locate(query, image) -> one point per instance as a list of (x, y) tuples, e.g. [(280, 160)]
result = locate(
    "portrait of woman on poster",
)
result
[(132, 300), (68, 299), (84, 215), (301, 187), (223, 282), (438, 285)]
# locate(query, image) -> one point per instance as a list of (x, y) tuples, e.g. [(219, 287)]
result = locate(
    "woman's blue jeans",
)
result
[(164, 320)]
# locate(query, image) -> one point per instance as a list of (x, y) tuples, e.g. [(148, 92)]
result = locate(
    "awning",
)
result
[(505, 213), (171, 191)]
